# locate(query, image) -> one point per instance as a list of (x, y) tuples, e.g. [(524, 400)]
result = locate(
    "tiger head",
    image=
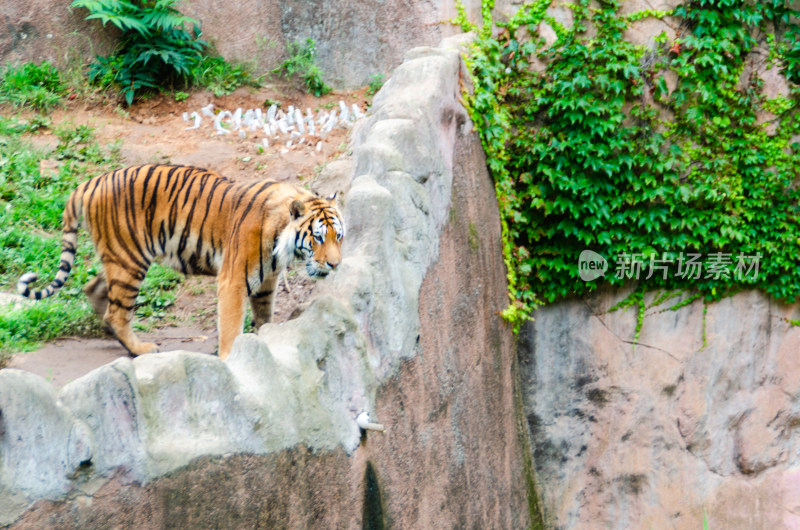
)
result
[(314, 235)]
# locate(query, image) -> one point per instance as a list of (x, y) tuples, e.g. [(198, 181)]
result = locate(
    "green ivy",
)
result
[(642, 155)]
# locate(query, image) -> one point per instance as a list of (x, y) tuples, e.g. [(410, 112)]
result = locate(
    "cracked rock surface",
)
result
[(659, 434)]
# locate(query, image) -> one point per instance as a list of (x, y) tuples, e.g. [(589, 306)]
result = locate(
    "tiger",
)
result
[(198, 222)]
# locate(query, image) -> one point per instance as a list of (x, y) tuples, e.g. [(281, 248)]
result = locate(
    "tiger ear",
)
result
[(297, 209), (332, 198)]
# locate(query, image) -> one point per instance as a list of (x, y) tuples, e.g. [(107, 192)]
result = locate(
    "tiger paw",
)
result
[(143, 348)]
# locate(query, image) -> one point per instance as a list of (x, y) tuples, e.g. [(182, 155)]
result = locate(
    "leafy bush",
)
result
[(156, 50), (302, 63), (596, 152), (31, 85)]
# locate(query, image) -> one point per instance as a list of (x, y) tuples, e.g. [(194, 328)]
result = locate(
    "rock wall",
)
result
[(666, 433), (40, 30), (355, 39), (407, 330)]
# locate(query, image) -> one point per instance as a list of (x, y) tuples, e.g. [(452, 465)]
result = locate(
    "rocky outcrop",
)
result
[(41, 30), (668, 432), (407, 330), (355, 40)]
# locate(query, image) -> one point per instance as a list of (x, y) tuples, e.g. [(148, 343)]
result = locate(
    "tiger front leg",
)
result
[(262, 303), (123, 287), (230, 312)]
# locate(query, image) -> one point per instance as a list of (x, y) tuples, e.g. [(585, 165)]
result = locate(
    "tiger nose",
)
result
[(333, 264)]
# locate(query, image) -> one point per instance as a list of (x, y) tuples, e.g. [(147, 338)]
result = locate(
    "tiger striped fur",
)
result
[(199, 223)]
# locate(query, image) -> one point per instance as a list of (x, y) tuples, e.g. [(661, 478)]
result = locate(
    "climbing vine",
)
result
[(667, 161)]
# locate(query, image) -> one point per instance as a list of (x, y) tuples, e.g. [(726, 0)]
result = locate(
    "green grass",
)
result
[(221, 77), (31, 85), (24, 328), (31, 206), (157, 294), (375, 83)]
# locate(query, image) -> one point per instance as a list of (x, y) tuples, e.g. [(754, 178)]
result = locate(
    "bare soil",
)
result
[(154, 131)]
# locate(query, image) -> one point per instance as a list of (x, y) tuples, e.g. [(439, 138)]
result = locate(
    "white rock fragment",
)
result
[(248, 118), (197, 121), (291, 127), (283, 126), (330, 124), (218, 123)]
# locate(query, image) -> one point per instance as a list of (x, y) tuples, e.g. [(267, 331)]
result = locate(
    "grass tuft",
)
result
[(36, 86)]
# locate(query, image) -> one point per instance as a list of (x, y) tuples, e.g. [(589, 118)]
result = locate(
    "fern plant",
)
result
[(156, 49)]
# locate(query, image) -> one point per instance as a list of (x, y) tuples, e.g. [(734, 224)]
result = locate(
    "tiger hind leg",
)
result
[(96, 291), (123, 287)]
